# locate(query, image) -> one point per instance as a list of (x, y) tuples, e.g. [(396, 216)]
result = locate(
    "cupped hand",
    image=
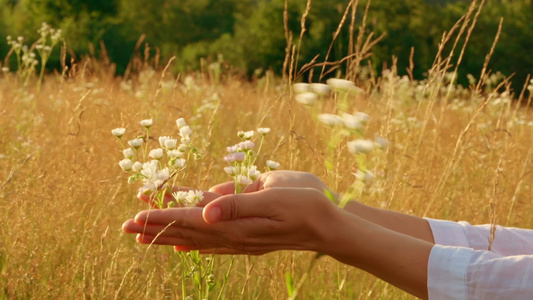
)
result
[(275, 179), (251, 223)]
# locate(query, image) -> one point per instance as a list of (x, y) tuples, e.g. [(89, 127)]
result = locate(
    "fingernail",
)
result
[(212, 214)]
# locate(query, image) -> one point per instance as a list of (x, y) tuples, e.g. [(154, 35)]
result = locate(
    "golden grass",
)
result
[(63, 197)]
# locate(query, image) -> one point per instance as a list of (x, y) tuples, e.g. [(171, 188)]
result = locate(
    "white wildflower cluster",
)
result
[(242, 158), (157, 166), (345, 125), (188, 198)]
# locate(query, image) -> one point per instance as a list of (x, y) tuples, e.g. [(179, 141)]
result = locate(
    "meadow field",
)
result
[(457, 153)]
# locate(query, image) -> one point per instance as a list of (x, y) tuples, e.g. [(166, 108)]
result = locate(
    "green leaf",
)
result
[(289, 282)]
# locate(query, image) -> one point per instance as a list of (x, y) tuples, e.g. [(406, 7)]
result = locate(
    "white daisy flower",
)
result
[(137, 166), (243, 180), (177, 163), (156, 153), (232, 157), (330, 119), (171, 143), (248, 135), (180, 196), (135, 143), (125, 164), (272, 165), (194, 197), (360, 146), (174, 153), (181, 123), (230, 170), (147, 123), (232, 149), (263, 131), (246, 145), (118, 132), (300, 87), (183, 148), (307, 98), (149, 169), (128, 153), (252, 172), (185, 131), (186, 140), (162, 140), (352, 122), (320, 89)]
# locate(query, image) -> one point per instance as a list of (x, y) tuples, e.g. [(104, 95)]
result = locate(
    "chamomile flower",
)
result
[(246, 135), (135, 143), (156, 153), (185, 131), (174, 153), (177, 163), (118, 132), (236, 156), (147, 123), (263, 131), (162, 140), (137, 166), (181, 123), (246, 145), (194, 197), (243, 180), (125, 164), (360, 146), (170, 143), (352, 122), (320, 89), (301, 87), (330, 119), (128, 153), (306, 98), (230, 170), (272, 165)]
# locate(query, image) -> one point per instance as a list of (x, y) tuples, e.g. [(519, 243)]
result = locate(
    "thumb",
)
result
[(260, 204)]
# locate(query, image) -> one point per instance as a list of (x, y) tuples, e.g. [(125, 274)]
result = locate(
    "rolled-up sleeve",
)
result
[(507, 240), (461, 267), (464, 273)]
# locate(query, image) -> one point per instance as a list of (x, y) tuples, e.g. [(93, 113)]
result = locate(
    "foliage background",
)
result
[(250, 33)]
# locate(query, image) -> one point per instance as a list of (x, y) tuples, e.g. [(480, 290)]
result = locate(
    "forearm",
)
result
[(394, 257), (406, 224)]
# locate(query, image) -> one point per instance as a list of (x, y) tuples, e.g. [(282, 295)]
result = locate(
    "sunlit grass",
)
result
[(63, 197)]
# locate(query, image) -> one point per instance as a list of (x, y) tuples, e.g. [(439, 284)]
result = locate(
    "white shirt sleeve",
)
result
[(461, 267), (507, 241), (465, 273)]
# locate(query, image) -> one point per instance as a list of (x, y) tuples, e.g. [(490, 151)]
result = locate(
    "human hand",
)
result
[(275, 179), (251, 223)]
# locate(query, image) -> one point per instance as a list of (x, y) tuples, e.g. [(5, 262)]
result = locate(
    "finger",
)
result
[(230, 207), (131, 226), (218, 251), (182, 217)]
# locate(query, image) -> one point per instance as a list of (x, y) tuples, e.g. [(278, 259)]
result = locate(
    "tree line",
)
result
[(251, 34)]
